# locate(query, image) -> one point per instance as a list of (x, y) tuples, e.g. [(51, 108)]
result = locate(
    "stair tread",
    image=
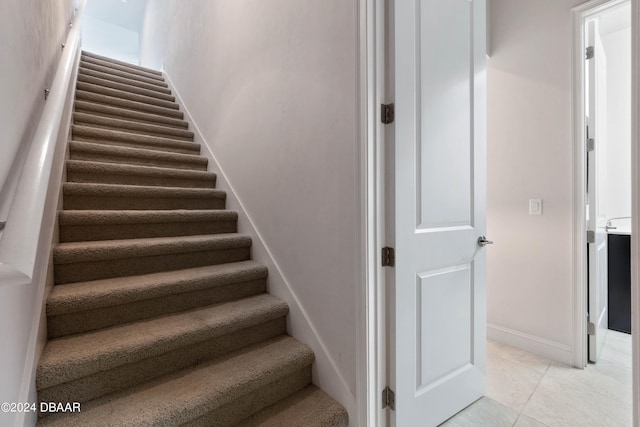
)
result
[(104, 217), (108, 70), (126, 87), (83, 296), (128, 103), (309, 407), (76, 356), (89, 131), (88, 119), (122, 94), (105, 58), (86, 166), (74, 252), (135, 152), (191, 393), (146, 191), (84, 71), (109, 111), (124, 68)]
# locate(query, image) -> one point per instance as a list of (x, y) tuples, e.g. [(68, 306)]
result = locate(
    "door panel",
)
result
[(438, 360)]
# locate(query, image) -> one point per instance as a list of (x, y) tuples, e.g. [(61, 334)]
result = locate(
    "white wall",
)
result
[(30, 35), (529, 271), (110, 40), (272, 87), (617, 46)]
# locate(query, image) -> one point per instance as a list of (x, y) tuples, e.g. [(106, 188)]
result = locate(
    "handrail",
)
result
[(20, 238)]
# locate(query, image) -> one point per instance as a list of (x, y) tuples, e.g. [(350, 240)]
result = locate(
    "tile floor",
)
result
[(525, 390)]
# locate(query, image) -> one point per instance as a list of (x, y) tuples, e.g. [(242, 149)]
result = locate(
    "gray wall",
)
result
[(529, 286), (30, 35), (272, 87)]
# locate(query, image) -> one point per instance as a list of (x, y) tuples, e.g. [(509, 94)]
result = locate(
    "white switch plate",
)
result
[(535, 206)]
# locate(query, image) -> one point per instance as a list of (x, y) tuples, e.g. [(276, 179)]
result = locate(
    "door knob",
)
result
[(482, 241)]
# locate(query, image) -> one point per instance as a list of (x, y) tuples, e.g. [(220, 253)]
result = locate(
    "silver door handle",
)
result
[(482, 241)]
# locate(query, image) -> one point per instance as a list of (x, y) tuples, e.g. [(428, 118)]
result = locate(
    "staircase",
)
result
[(158, 316)]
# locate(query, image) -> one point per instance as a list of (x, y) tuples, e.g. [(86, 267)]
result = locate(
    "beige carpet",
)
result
[(159, 317)]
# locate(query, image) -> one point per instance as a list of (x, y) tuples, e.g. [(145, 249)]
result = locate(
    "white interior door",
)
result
[(596, 92), (438, 356)]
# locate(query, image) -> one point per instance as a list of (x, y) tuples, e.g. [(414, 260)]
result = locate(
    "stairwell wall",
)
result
[(272, 88)]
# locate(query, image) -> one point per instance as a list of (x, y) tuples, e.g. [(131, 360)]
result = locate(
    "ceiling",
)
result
[(128, 14)]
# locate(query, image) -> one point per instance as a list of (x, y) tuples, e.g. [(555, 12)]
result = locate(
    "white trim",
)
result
[(534, 344), (299, 324), (635, 205), (579, 14)]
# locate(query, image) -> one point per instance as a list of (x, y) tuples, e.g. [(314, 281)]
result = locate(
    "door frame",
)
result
[(371, 376), (580, 273), (371, 351)]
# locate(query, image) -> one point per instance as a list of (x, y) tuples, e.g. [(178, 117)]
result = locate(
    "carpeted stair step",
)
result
[(132, 126), (127, 75), (117, 93), (78, 366), (86, 54), (85, 306), (125, 68), (126, 103), (221, 392), (114, 173), (86, 261), (125, 87), (135, 156), (90, 196), (88, 225), (134, 140), (107, 111), (309, 407), (115, 78)]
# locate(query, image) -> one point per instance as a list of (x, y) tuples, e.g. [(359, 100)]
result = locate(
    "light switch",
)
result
[(535, 206)]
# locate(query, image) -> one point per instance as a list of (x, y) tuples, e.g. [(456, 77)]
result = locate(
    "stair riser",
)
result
[(232, 413), (105, 269), (136, 127), (73, 323), (139, 203), (81, 233), (123, 68), (117, 79), (125, 87), (105, 382), (123, 74), (118, 62), (125, 179), (108, 112), (126, 95), (141, 161), (128, 104), (135, 144)]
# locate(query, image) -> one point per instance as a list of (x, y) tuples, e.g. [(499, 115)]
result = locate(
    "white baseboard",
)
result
[(326, 374), (533, 344)]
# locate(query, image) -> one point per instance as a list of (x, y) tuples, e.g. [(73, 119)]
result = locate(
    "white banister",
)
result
[(20, 238)]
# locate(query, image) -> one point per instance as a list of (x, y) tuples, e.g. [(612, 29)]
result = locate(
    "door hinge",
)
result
[(388, 257), (591, 236), (591, 328), (387, 113), (590, 52), (591, 144), (388, 398)]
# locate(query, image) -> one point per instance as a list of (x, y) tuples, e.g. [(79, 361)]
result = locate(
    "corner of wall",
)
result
[(325, 371)]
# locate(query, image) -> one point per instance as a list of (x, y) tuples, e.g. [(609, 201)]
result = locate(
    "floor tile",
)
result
[(524, 421), (484, 412)]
